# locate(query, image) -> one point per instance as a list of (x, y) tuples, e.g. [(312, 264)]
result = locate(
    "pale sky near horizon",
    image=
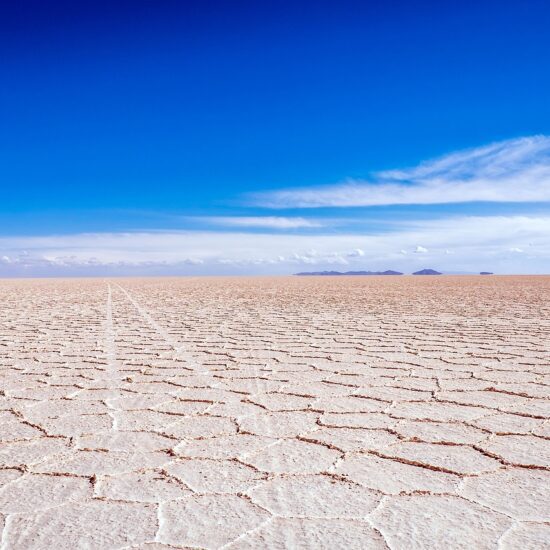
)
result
[(183, 138)]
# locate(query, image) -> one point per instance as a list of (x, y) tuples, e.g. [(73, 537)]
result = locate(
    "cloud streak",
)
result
[(478, 243), (268, 222), (516, 170)]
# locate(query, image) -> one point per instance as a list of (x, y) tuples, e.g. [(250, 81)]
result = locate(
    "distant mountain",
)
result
[(486, 273), (427, 272), (349, 273)]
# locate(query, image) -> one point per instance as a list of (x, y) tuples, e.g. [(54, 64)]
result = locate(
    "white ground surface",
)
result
[(275, 413)]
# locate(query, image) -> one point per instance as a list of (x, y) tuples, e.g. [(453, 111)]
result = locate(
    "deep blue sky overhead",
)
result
[(127, 116)]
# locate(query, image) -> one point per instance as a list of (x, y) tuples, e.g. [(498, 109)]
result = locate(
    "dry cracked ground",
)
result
[(239, 413)]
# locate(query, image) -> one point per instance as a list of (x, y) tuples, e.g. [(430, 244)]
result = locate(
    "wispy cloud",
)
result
[(478, 243), (516, 170), (268, 222)]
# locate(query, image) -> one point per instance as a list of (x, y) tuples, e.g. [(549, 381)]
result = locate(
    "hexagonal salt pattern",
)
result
[(275, 413)]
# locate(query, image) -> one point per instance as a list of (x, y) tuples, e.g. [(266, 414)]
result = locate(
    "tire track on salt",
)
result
[(177, 346)]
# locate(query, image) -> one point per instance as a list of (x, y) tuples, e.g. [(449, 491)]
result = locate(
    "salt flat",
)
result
[(377, 412)]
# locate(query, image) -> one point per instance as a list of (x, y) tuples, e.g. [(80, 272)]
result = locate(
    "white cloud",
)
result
[(477, 243), (420, 250), (517, 250), (516, 170), (271, 222)]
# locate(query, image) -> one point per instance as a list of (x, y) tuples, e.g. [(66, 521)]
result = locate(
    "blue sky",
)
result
[(215, 137)]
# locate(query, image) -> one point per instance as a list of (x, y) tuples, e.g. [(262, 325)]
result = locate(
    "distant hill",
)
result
[(349, 273), (486, 273), (427, 272)]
